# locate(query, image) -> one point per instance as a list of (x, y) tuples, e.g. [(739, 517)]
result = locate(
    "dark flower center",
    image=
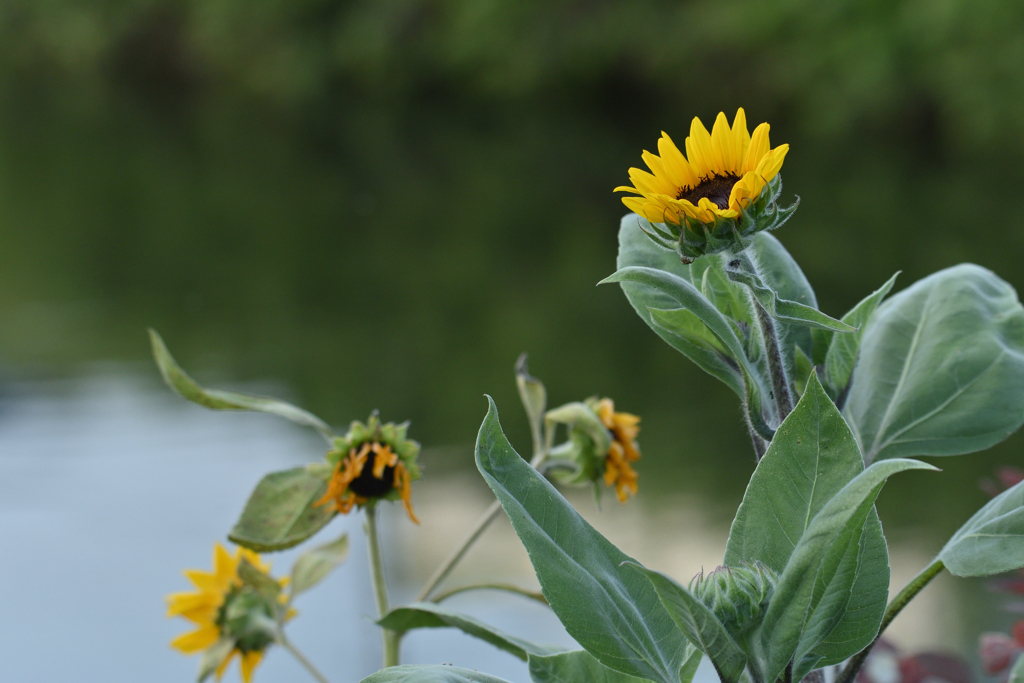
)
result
[(714, 187), (369, 486)]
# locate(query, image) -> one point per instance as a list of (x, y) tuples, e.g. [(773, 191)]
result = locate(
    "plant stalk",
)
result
[(380, 589), (776, 362), (508, 587), (299, 657), (895, 607)]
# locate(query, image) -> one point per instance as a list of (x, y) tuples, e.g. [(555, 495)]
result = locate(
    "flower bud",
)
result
[(738, 596)]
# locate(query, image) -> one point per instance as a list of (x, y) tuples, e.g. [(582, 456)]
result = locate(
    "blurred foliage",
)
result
[(383, 203)]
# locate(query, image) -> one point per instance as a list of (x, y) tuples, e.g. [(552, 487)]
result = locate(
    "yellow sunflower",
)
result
[(221, 607), (723, 172), (624, 450)]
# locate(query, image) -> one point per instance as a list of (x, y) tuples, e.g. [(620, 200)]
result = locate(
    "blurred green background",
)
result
[(380, 204)]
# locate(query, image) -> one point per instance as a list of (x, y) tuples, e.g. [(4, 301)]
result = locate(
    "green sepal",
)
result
[(314, 565), (432, 615), (214, 656), (179, 381), (264, 584), (281, 510)]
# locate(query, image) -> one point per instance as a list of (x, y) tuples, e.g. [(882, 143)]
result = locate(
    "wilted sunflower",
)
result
[(623, 450), (371, 462), (231, 615)]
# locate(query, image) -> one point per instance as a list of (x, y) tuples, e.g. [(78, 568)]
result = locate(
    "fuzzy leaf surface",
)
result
[(612, 611), (178, 380), (784, 310), (430, 673), (579, 665), (280, 511), (992, 541), (812, 457), (816, 578), (432, 615), (699, 624), (941, 368)]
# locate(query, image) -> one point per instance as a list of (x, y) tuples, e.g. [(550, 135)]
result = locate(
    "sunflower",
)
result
[(371, 462), (721, 174), (624, 450), (229, 613)]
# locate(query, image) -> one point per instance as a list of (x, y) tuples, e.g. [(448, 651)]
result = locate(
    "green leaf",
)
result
[(264, 584), (842, 350), (785, 310), (281, 513), (782, 273), (430, 673), (534, 397), (812, 457), (802, 369), (314, 565), (941, 368), (810, 597), (992, 541), (431, 615), (184, 385), (699, 624), (612, 611), (578, 666), (702, 346)]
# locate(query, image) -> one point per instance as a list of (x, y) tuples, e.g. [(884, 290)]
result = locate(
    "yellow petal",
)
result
[(224, 665), (627, 188), (250, 660), (225, 567), (742, 137), (197, 640), (759, 145), (205, 581), (647, 183), (255, 560), (635, 204), (747, 189), (182, 603), (698, 149), (722, 145), (665, 184), (676, 166), (771, 164)]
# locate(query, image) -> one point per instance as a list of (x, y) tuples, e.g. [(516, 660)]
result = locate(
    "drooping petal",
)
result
[(771, 164), (196, 641), (759, 145), (747, 189), (722, 146), (250, 660)]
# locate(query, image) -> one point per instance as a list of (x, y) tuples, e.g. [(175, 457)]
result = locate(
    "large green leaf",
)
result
[(612, 611), (579, 666), (699, 624), (812, 457), (432, 615), (701, 345), (430, 673), (842, 348), (941, 368), (992, 541), (784, 310), (815, 587), (281, 511), (178, 380)]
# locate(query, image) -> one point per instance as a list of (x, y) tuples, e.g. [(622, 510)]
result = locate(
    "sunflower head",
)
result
[(235, 609), (716, 197), (373, 461), (602, 446), (737, 595)]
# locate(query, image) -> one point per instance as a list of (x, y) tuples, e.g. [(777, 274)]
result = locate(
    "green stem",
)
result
[(776, 363), (380, 588), (508, 587), (301, 658), (895, 607)]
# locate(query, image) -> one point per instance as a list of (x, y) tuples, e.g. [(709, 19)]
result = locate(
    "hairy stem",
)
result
[(895, 607), (299, 657), (380, 588), (776, 363)]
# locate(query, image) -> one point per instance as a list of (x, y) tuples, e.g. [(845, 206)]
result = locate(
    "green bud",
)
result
[(738, 596), (247, 617)]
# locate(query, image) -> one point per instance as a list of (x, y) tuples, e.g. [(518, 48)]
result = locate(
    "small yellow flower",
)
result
[(624, 450), (371, 462), (220, 607), (723, 172)]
